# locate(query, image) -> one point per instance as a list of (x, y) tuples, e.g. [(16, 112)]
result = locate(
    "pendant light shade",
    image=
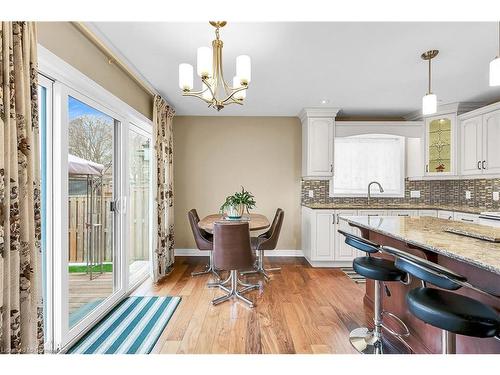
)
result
[(429, 101), (186, 77), (429, 104), (495, 65)]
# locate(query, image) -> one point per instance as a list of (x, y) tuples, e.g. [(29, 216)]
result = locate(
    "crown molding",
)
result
[(318, 112)]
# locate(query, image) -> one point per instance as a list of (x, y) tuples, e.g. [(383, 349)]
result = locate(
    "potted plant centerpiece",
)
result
[(236, 204)]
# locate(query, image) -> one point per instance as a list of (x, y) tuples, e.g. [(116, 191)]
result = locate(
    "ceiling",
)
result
[(365, 68)]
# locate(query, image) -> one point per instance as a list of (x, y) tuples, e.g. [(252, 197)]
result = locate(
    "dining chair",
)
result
[(232, 252), (267, 241), (204, 241)]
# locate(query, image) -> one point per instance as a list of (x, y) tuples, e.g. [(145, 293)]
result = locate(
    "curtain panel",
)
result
[(21, 319), (163, 132)]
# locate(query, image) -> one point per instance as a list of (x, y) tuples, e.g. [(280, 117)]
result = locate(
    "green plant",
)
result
[(243, 198)]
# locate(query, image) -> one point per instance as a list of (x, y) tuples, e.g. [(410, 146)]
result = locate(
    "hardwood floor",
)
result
[(301, 310)]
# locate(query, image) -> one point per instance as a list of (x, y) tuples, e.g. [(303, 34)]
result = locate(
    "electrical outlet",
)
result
[(496, 195), (311, 193), (468, 194), (414, 193)]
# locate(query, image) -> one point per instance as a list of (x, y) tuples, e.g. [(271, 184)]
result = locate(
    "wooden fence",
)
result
[(137, 233)]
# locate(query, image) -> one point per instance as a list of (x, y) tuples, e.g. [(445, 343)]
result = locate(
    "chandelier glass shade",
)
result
[(215, 91)]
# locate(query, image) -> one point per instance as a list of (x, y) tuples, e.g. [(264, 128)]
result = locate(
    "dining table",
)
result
[(255, 221)]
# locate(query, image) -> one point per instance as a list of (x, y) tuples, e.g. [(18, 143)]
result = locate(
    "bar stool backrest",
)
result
[(425, 270), (360, 243)]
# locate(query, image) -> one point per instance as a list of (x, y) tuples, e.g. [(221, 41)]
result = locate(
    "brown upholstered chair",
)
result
[(204, 241), (232, 252), (267, 241)]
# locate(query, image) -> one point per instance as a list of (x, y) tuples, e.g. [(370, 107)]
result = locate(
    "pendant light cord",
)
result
[(498, 39), (430, 77)]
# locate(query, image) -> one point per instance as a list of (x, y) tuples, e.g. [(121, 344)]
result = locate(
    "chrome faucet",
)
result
[(370, 185)]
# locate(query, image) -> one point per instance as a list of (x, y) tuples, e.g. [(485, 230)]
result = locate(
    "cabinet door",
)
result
[(320, 147), (432, 213), (471, 146), (324, 244), (468, 218), (448, 215), (440, 145), (342, 251), (491, 142)]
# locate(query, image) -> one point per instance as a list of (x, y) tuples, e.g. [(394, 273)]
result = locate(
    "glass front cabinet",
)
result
[(440, 145)]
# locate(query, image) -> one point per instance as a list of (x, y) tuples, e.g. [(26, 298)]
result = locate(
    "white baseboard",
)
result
[(270, 253)]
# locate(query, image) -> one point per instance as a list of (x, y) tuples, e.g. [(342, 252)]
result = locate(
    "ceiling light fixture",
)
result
[(495, 65), (215, 91), (429, 101)]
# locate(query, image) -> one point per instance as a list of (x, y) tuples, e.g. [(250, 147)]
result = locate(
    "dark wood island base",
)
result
[(425, 338)]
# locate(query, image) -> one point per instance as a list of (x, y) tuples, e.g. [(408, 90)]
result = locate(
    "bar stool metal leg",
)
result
[(448, 342)]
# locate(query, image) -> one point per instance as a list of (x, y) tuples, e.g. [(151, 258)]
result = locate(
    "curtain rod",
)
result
[(113, 59)]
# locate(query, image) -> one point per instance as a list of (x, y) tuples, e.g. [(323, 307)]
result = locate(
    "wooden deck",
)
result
[(82, 290), (301, 310)]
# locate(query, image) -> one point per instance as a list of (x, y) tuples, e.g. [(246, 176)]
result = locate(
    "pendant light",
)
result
[(495, 65), (429, 101)]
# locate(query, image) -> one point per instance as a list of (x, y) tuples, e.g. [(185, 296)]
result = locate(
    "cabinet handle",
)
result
[(484, 164), (403, 215), (331, 168), (469, 220), (372, 214), (427, 167), (479, 164)]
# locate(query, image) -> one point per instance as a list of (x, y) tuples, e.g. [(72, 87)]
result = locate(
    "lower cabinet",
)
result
[(342, 251)]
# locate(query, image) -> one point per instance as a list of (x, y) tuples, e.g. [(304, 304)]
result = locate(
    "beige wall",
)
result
[(64, 40), (214, 156)]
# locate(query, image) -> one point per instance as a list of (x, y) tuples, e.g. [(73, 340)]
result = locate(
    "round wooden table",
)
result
[(256, 222)]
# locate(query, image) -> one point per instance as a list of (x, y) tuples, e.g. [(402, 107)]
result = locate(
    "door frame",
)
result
[(66, 79)]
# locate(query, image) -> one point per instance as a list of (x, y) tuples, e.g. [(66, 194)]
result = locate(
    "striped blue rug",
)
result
[(132, 327)]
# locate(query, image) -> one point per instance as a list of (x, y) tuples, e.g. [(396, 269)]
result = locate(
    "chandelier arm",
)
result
[(234, 91), (196, 95), (209, 87)]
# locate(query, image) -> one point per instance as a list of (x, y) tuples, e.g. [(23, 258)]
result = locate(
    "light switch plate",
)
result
[(311, 193), (414, 193), (496, 195), (468, 194)]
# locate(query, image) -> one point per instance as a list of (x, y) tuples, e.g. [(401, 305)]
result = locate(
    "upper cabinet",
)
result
[(440, 145), (479, 140), (318, 126)]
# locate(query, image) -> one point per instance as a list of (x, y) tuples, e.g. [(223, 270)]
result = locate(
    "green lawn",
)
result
[(107, 267)]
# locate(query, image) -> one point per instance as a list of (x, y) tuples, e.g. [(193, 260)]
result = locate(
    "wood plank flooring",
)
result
[(301, 310)]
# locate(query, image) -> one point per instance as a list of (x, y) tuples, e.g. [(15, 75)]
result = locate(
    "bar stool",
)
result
[(364, 340), (452, 313)]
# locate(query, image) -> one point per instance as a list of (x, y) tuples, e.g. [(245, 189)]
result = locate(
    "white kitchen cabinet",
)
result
[(432, 213), (440, 145), (448, 215), (469, 218), (342, 251), (317, 141), (491, 143), (479, 141), (324, 233)]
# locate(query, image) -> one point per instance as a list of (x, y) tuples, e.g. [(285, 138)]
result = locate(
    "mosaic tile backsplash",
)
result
[(432, 192)]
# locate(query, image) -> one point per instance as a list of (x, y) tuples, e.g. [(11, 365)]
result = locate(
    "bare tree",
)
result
[(91, 138)]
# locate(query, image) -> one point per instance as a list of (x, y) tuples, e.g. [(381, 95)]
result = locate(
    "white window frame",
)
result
[(375, 192), (69, 81)]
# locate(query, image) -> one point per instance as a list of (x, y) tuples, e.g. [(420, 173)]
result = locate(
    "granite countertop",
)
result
[(402, 206), (428, 233)]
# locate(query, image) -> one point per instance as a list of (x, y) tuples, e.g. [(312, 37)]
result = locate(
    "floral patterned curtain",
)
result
[(162, 121), (21, 328)]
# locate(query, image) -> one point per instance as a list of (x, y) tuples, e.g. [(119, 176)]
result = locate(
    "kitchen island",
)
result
[(427, 237)]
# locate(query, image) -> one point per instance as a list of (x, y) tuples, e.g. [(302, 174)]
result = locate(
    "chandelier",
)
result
[(214, 89)]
